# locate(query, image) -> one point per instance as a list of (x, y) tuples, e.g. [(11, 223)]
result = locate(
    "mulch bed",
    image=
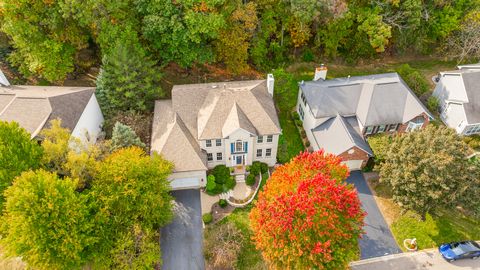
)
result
[(218, 213)]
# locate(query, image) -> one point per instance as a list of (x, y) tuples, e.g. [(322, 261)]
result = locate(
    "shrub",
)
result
[(473, 141), (255, 168), (303, 133), (307, 143), (250, 180), (380, 144), (212, 187), (230, 184), (295, 116), (141, 123), (414, 79), (221, 173), (298, 122), (308, 56), (263, 167), (123, 136), (222, 243), (222, 203), (432, 104), (207, 218)]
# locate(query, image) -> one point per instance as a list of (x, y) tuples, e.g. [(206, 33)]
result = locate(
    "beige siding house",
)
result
[(205, 125)]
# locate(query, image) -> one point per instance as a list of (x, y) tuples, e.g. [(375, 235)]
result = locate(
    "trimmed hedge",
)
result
[(222, 203), (207, 218), (250, 179)]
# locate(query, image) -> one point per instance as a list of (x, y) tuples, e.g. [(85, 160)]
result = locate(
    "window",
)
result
[(369, 130), (270, 138), (268, 152), (393, 127), (260, 139), (472, 130), (381, 128), (302, 96), (301, 112), (209, 156), (259, 153), (238, 146), (218, 142), (219, 156), (208, 143), (415, 124)]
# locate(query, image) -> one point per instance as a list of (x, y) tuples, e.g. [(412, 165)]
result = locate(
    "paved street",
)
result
[(378, 240), (181, 240), (422, 260)]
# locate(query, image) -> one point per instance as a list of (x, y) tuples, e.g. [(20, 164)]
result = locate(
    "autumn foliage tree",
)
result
[(307, 216)]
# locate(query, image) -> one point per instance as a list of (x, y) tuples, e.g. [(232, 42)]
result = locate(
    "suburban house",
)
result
[(458, 93), (33, 107), (339, 114), (204, 125)]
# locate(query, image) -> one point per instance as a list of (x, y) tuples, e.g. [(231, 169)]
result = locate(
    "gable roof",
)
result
[(205, 107), (173, 140), (374, 99), (34, 106), (463, 87), (338, 134), (235, 120)]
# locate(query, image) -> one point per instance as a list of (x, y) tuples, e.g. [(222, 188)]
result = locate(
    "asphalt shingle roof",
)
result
[(34, 106)]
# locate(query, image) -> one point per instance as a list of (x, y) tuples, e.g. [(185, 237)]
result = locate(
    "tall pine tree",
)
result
[(128, 79)]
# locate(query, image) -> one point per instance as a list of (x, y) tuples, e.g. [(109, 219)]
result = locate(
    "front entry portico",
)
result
[(238, 160)]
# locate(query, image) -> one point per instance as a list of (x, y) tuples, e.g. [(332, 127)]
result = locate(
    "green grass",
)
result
[(440, 228)]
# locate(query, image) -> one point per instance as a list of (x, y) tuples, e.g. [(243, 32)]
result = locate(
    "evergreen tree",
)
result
[(128, 79), (124, 136)]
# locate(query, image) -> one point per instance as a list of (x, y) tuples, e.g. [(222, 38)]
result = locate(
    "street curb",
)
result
[(391, 256)]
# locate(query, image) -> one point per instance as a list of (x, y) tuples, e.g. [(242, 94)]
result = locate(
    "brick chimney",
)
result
[(270, 84), (320, 73)]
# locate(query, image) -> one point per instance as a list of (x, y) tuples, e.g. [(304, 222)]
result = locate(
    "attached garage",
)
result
[(354, 164), (188, 180)]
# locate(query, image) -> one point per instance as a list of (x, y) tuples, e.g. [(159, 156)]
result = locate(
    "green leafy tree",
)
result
[(234, 40), (123, 136), (56, 145), (131, 193), (181, 31), (380, 144), (47, 222), (128, 79), (45, 40), (427, 168), (414, 79), (17, 154)]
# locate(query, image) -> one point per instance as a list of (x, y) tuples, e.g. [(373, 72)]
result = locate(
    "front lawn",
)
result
[(439, 227)]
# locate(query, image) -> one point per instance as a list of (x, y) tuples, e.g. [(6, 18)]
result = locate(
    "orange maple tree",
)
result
[(307, 217)]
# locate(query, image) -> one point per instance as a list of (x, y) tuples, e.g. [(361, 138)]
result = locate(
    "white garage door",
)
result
[(185, 183), (354, 164)]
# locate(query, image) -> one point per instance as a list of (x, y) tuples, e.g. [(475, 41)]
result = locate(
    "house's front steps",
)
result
[(240, 178), (226, 195)]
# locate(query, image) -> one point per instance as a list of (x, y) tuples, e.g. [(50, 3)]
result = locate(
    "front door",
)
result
[(239, 160)]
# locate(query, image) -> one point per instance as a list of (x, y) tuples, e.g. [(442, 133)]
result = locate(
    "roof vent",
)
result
[(3, 80)]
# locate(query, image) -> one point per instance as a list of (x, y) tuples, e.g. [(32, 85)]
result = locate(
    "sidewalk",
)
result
[(428, 259)]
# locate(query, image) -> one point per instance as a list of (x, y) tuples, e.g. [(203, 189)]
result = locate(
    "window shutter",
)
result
[(232, 147), (246, 147)]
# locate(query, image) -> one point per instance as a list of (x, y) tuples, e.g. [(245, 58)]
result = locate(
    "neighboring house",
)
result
[(33, 107), (458, 93), (204, 125), (338, 114)]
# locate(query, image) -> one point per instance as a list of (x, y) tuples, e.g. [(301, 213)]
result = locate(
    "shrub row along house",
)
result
[(458, 93), (339, 114), (204, 125), (33, 107)]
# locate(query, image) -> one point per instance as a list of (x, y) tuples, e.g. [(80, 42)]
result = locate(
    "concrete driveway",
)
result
[(378, 240), (182, 240), (422, 260)]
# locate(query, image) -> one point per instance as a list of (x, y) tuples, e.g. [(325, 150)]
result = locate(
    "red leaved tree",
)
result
[(307, 216)]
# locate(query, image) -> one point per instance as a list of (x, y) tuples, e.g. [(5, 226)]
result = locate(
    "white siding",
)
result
[(90, 122)]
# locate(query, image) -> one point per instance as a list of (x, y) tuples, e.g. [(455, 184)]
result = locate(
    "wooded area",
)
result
[(51, 39)]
